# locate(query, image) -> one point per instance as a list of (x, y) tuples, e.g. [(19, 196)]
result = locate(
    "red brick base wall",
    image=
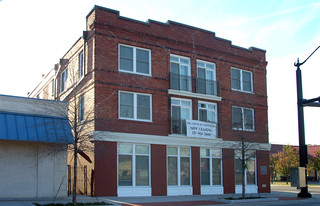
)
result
[(105, 168), (228, 171), (159, 170), (262, 177), (195, 151)]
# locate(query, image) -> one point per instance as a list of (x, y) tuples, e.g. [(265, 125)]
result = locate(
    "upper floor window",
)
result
[(180, 75), (81, 109), (242, 118), (241, 80), (211, 166), (134, 60), (180, 112), (135, 106), (81, 67), (206, 80), (207, 112), (63, 80)]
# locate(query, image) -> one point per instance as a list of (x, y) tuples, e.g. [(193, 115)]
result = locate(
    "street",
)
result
[(286, 195)]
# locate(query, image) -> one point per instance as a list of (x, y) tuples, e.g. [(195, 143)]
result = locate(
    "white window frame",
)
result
[(181, 106), (179, 156), (205, 67), (81, 65), (245, 172), (134, 60), (207, 109), (243, 121), (81, 109), (211, 157), (135, 106), (63, 80), (133, 155), (185, 64), (241, 80)]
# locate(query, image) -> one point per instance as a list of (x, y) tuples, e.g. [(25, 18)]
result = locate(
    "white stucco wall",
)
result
[(32, 169)]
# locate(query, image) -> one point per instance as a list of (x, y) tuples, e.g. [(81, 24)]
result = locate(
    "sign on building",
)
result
[(201, 129)]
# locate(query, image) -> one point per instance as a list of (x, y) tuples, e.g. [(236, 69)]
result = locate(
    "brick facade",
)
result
[(103, 83)]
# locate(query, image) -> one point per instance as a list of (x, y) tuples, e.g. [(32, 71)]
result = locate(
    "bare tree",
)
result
[(243, 124)]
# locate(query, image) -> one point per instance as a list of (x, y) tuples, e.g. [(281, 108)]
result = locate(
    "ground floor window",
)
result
[(250, 171), (210, 166), (133, 165), (179, 161)]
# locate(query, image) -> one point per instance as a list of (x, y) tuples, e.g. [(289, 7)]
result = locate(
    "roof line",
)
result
[(33, 115), (49, 100), (169, 22)]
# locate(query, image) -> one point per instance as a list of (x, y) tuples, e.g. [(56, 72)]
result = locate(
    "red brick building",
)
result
[(170, 101)]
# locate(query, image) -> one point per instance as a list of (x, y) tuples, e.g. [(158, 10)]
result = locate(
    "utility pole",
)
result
[(303, 153)]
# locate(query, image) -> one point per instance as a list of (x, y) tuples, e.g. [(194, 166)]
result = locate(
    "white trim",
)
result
[(140, 191), (211, 190), (245, 172), (134, 60), (195, 95), (81, 70), (241, 81), (243, 120), (181, 106), (64, 80), (173, 140), (180, 63), (179, 190), (249, 189), (211, 157), (179, 156), (132, 190), (135, 106), (207, 109), (205, 68)]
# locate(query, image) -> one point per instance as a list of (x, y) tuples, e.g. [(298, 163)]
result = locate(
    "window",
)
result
[(134, 60), (81, 108), (52, 88), (63, 80), (133, 165), (81, 67), (250, 169), (207, 112), (180, 76), (241, 80), (210, 166), (206, 81), (242, 118), (180, 112), (179, 165), (135, 106)]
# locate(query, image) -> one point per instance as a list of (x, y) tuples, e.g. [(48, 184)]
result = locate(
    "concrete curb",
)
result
[(262, 199)]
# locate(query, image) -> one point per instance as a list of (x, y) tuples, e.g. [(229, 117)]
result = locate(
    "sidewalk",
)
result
[(274, 197)]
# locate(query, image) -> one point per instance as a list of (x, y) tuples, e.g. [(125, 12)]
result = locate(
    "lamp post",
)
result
[(301, 103)]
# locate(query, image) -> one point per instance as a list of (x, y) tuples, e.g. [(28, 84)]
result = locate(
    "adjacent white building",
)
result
[(34, 135)]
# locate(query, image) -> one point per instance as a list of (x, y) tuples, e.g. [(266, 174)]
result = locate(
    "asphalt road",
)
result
[(287, 196)]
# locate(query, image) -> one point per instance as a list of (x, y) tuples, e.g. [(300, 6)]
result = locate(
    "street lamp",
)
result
[(301, 103)]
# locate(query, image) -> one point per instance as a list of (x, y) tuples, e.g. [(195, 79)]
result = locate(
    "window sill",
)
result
[(136, 73), (137, 120), (195, 95), (237, 90)]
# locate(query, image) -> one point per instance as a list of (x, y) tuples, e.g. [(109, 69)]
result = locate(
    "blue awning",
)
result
[(26, 127)]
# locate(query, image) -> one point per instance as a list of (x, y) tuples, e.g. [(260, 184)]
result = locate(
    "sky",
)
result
[(35, 34)]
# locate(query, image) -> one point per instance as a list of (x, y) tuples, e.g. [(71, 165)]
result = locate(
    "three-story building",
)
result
[(170, 102)]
